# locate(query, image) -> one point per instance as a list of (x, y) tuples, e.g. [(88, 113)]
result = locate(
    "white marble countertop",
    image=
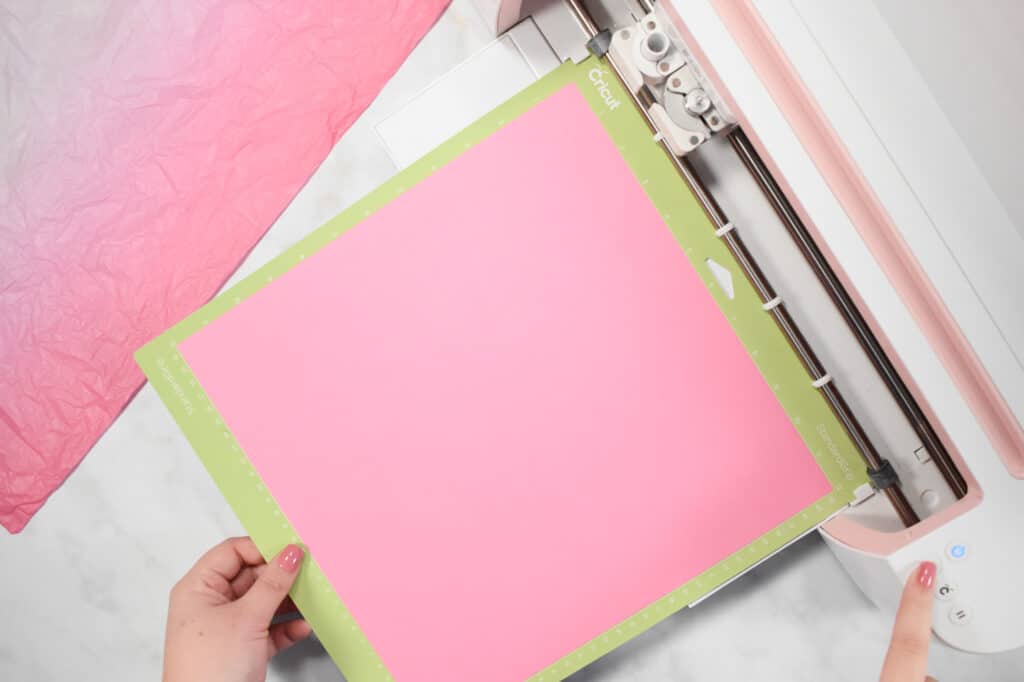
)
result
[(83, 590)]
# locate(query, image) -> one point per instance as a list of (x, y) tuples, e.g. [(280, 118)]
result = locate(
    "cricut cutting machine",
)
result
[(864, 173)]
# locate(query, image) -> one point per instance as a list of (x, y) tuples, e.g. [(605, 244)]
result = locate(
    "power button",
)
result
[(956, 551)]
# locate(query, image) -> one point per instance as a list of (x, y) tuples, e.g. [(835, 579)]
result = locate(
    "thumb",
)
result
[(273, 583)]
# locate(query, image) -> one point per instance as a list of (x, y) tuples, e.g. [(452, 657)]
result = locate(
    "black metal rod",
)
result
[(847, 308)]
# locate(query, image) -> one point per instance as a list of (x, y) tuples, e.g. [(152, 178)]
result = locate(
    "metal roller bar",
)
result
[(872, 459), (854, 320)]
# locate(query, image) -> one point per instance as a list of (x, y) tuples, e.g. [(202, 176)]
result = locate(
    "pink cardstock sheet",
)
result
[(503, 411), (147, 146)]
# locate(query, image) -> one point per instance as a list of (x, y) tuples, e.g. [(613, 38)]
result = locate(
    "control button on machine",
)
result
[(945, 591), (956, 551), (959, 615)]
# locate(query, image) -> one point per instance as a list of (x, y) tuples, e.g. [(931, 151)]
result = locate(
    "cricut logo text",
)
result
[(179, 392), (844, 466), (597, 78)]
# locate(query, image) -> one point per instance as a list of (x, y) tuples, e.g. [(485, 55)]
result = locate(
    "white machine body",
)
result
[(893, 134)]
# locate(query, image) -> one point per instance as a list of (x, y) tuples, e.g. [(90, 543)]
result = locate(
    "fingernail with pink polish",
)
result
[(290, 558), (926, 575)]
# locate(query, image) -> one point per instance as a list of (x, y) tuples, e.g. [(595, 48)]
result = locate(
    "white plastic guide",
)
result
[(686, 110)]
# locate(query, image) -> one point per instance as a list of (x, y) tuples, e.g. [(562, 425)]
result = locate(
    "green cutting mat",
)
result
[(267, 523)]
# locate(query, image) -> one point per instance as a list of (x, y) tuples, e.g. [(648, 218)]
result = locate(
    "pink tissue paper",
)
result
[(146, 146)]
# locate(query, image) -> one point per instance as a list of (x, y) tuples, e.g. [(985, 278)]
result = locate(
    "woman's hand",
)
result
[(218, 623), (907, 660)]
